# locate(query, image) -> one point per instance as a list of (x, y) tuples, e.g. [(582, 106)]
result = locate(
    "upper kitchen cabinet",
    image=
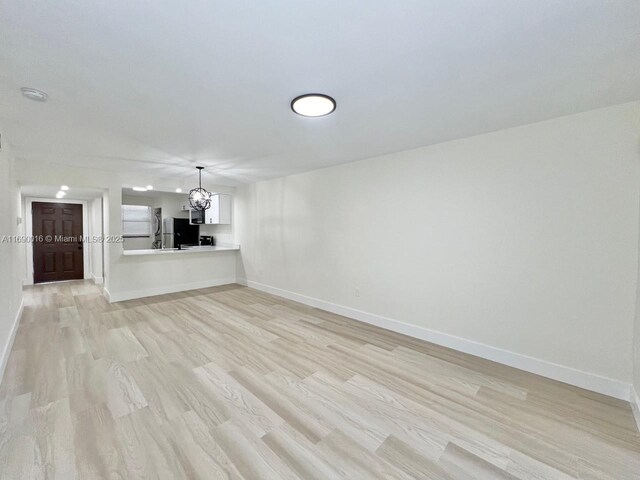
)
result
[(219, 213)]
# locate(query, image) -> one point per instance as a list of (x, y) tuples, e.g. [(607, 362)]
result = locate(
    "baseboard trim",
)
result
[(635, 406), (97, 280), (150, 292), (12, 336), (589, 381)]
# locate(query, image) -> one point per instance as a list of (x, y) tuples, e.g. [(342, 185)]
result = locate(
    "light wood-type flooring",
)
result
[(232, 383)]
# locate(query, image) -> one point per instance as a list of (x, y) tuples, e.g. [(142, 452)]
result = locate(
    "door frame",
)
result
[(29, 232)]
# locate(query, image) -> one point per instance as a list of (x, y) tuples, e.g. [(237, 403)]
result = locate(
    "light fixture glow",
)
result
[(313, 105), (64, 188), (199, 198), (149, 187), (34, 94), (139, 189), (61, 194), (178, 190)]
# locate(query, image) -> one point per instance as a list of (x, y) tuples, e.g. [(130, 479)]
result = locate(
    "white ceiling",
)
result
[(158, 87)]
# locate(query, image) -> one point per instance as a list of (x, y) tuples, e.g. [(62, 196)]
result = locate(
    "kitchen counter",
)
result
[(185, 250)]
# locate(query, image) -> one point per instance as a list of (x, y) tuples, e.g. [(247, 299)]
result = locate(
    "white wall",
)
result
[(635, 391), (95, 220), (525, 239), (11, 256), (147, 275)]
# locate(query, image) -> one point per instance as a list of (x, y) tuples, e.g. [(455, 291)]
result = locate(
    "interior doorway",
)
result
[(58, 242)]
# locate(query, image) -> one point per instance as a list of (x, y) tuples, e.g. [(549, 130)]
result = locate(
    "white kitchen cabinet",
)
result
[(219, 213)]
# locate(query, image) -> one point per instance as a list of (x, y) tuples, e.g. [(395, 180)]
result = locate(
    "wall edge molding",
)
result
[(150, 292), (12, 336), (562, 373)]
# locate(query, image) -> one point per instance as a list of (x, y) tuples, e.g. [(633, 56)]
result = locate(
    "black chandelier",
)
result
[(199, 198)]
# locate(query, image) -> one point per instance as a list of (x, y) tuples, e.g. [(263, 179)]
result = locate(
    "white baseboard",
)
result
[(635, 406), (12, 335), (97, 280), (562, 373), (150, 292)]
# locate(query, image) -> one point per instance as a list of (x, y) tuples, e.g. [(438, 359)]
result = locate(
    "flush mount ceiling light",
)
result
[(178, 190), (149, 187), (139, 189), (199, 198), (34, 94), (64, 188), (60, 194), (313, 105)]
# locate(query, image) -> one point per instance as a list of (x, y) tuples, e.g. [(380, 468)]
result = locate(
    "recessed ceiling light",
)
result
[(149, 187), (61, 194), (34, 94), (313, 105), (178, 190), (64, 188), (139, 189)]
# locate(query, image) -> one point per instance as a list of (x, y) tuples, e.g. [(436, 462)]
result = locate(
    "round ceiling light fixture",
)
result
[(313, 105), (34, 94), (199, 198)]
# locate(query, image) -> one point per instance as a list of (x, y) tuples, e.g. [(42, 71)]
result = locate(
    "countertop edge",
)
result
[(159, 251)]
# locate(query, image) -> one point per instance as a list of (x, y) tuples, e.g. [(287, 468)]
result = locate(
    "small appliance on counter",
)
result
[(207, 240)]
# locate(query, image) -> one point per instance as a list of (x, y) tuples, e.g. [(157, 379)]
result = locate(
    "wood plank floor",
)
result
[(232, 383)]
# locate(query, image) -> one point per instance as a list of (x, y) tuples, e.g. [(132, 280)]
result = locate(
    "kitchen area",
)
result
[(156, 223), (169, 247)]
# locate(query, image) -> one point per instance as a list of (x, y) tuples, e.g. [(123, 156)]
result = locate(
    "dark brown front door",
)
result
[(57, 242)]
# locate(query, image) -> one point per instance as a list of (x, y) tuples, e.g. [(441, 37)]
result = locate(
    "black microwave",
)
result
[(196, 217)]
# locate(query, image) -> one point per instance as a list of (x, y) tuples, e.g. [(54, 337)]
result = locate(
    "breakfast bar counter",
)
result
[(184, 250)]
